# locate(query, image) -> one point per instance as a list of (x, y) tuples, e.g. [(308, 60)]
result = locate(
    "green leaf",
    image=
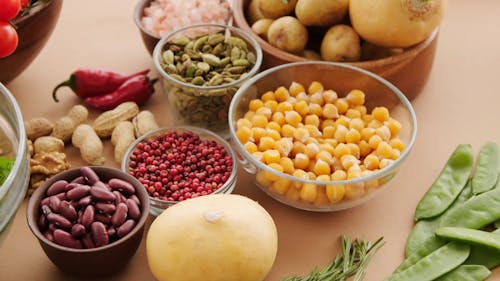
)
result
[(5, 167)]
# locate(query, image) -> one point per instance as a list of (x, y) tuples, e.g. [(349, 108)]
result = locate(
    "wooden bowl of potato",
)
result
[(407, 68)]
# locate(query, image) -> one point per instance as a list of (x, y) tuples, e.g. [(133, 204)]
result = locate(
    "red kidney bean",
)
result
[(45, 201), (87, 241), (72, 185), (65, 239), (104, 218), (78, 192), (99, 234), (68, 211), (111, 231), (89, 175), (119, 198), (46, 210), (107, 208), (77, 230), (57, 187), (121, 185), (75, 204), (133, 210), (42, 222), (125, 228), (88, 216), (102, 194), (83, 202), (51, 227), (136, 199), (59, 220), (79, 180), (54, 203), (48, 234), (120, 215), (102, 185)]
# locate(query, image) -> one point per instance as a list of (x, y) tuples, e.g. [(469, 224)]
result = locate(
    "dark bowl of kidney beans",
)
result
[(178, 163), (89, 221)]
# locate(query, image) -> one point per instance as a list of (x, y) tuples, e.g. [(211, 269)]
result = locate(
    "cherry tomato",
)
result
[(8, 39), (25, 4), (10, 9)]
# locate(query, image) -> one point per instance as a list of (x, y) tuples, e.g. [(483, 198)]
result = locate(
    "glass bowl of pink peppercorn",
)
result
[(179, 163)]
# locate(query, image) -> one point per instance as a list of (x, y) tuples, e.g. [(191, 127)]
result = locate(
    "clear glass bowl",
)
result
[(13, 144), (341, 78), (157, 206), (203, 106)]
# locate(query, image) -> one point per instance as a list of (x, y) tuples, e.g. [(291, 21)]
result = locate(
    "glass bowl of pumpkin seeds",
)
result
[(202, 66)]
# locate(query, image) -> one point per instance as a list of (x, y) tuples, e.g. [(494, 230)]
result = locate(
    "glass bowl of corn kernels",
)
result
[(321, 136)]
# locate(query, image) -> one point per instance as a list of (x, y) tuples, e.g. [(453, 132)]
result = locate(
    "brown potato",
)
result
[(321, 12), (261, 27), (372, 52), (341, 43), (253, 12), (274, 9), (288, 34)]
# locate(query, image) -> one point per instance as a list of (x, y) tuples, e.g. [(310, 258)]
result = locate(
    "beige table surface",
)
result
[(460, 104)]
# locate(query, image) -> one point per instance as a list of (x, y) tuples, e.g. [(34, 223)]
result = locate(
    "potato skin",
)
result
[(321, 12), (273, 9), (341, 43), (288, 34)]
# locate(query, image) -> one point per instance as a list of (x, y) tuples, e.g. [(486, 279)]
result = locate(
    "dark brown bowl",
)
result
[(99, 261), (408, 70), (34, 30)]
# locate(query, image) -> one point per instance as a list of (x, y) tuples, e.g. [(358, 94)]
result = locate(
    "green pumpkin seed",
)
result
[(168, 57), (198, 44), (235, 53), (181, 41), (215, 39), (211, 59), (241, 62), (235, 41)]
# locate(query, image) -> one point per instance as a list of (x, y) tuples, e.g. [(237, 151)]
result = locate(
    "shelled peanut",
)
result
[(315, 134)]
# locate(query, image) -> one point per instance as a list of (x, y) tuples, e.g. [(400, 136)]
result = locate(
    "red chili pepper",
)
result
[(87, 82), (137, 89)]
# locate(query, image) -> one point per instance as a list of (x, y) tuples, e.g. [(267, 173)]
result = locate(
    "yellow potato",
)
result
[(341, 43), (253, 12), (321, 12), (274, 9), (261, 27), (288, 34)]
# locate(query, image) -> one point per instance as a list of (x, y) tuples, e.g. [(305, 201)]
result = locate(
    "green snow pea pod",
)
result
[(424, 229), (487, 168), (477, 212), (448, 185), (428, 246), (434, 265), (471, 236), (466, 273), (486, 256)]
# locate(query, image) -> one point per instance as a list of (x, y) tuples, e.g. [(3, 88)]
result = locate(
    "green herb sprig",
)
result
[(352, 261), (5, 167)]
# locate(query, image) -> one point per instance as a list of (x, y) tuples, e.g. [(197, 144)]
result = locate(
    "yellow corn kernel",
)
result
[(287, 165), (287, 131), (258, 155), (342, 105), (395, 154), (325, 156), (385, 162), (279, 118), (296, 88), (284, 106), (356, 97), (323, 178), (301, 107), (271, 156), (315, 87), (284, 146), (316, 109), (329, 132), (397, 143), (383, 132), (250, 147), (293, 118), (255, 104), (308, 192), (293, 194), (263, 178), (310, 169), (332, 142), (344, 121), (281, 94), (314, 132), (330, 111), (321, 197), (271, 104), (384, 150), (367, 118), (269, 95), (273, 125), (367, 133), (301, 161), (364, 148), (321, 168), (371, 162), (317, 98), (276, 166), (330, 96), (348, 161), (302, 96), (326, 147), (374, 141), (369, 184), (354, 191), (394, 126), (354, 150), (352, 113), (258, 133), (242, 122), (264, 111), (339, 175), (298, 147), (352, 136), (312, 120), (275, 135), (381, 113), (311, 150), (362, 109), (335, 192), (340, 150), (301, 174), (266, 143), (249, 115), (374, 124), (301, 134), (353, 172), (357, 123), (282, 185), (340, 133), (259, 120), (244, 134)]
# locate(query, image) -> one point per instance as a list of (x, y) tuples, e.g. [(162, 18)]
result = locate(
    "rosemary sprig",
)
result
[(352, 262)]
